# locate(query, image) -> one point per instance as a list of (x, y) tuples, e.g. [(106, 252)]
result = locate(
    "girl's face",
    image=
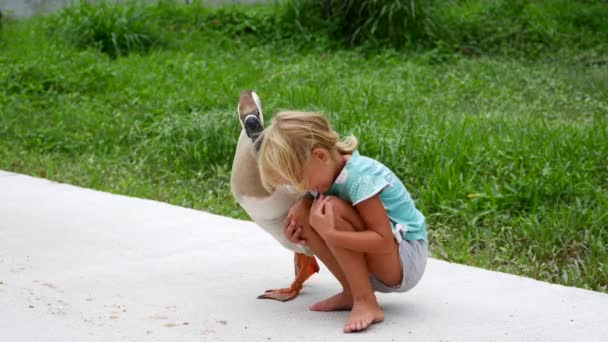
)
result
[(323, 168)]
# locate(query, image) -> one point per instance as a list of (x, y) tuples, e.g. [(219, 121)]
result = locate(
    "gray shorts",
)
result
[(412, 255)]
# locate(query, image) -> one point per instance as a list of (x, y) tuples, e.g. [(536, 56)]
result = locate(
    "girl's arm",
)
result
[(377, 237)]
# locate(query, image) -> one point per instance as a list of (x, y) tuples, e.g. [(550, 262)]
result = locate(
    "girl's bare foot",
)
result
[(341, 301), (364, 313)]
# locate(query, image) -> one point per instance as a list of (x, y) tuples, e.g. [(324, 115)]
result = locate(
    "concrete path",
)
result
[(82, 265)]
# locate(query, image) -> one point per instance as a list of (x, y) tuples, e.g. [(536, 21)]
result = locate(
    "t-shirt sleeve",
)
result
[(366, 187)]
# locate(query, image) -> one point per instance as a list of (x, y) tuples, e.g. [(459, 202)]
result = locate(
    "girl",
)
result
[(363, 225)]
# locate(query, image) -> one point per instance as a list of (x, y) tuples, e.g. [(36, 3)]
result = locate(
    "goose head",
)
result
[(249, 111), (245, 178)]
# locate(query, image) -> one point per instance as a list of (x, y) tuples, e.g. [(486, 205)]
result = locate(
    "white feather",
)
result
[(270, 212), (256, 99)]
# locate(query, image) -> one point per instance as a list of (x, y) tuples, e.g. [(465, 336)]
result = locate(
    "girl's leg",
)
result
[(362, 301), (352, 270), (342, 300), (365, 310), (386, 266)]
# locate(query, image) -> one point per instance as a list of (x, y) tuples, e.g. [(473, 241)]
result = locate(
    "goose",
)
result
[(267, 210)]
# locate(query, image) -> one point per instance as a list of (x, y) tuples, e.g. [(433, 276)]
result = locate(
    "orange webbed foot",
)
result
[(305, 266)]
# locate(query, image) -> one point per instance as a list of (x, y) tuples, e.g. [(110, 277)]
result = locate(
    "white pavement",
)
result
[(81, 265)]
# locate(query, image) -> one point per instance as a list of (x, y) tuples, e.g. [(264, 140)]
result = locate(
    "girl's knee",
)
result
[(346, 216), (300, 211), (307, 231), (340, 206)]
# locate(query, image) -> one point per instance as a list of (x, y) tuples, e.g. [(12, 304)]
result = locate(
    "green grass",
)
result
[(506, 156), (473, 27), (114, 30)]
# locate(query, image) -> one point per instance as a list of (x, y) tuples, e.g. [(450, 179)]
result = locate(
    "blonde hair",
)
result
[(287, 144)]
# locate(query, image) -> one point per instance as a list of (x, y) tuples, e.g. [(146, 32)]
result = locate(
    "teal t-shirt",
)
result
[(363, 177)]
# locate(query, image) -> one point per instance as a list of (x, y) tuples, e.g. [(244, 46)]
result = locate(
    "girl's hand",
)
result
[(296, 218), (293, 232), (322, 216)]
